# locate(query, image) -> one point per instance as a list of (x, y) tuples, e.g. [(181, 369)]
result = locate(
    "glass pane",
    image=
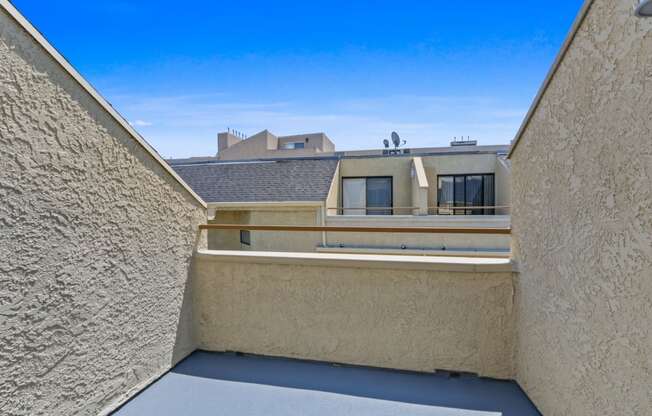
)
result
[(379, 195), (489, 198), (445, 194), (460, 196), (474, 194), (354, 196), (298, 145)]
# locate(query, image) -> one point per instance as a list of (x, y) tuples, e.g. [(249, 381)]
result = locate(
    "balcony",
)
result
[(242, 384), (337, 333)]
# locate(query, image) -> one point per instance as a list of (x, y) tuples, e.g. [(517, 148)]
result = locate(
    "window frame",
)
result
[(293, 145), (391, 193), (245, 241), (460, 209)]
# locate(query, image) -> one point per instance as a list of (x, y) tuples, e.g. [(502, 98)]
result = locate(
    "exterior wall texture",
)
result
[(267, 240), (582, 224), (265, 145), (96, 239), (406, 319)]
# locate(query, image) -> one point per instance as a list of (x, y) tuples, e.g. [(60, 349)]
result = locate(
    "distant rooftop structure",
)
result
[(233, 145)]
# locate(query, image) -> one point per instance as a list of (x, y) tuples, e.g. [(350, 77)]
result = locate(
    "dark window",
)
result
[(379, 196), (299, 145), (245, 237), (370, 196), (474, 191)]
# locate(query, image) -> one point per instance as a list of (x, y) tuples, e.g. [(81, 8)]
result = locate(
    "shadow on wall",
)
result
[(186, 341)]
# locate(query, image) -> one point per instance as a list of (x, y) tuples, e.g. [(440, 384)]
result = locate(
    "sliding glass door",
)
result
[(354, 196), (473, 191), (367, 196)]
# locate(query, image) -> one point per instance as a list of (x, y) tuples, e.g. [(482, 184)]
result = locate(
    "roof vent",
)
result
[(463, 142)]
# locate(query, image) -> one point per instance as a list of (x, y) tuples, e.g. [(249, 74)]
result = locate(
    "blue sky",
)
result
[(356, 70)]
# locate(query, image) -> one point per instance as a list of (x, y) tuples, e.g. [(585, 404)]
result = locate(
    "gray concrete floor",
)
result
[(228, 384)]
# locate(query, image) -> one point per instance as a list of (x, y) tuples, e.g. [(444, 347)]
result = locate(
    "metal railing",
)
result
[(435, 210)]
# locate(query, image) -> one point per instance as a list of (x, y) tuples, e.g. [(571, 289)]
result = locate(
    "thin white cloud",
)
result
[(187, 125), (140, 123)]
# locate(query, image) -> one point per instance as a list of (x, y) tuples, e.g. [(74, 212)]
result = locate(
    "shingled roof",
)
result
[(260, 181)]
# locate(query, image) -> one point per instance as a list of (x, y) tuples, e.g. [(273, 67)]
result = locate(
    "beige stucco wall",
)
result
[(388, 317), (503, 184), (396, 167), (582, 221), (285, 241), (267, 240), (333, 198), (95, 245), (433, 241), (265, 145), (227, 239)]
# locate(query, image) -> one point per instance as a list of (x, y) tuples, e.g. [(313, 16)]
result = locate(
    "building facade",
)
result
[(457, 186)]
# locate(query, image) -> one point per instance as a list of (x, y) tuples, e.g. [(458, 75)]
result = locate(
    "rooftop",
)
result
[(365, 153), (252, 385), (258, 181)]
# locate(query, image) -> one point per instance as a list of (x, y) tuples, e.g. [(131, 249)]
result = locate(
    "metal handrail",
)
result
[(355, 229), (429, 207)]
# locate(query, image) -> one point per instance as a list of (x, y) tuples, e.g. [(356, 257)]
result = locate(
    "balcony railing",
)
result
[(431, 210)]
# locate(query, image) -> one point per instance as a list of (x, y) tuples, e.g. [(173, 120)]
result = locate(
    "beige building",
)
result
[(457, 186), (265, 145)]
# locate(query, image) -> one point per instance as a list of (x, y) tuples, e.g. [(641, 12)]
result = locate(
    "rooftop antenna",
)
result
[(396, 139), (386, 143)]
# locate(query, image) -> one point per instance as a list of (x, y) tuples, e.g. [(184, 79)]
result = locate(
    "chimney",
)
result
[(226, 140)]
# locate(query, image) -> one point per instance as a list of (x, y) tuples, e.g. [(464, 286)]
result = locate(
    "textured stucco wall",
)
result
[(406, 319), (227, 239), (267, 240), (503, 184), (582, 225), (95, 245), (265, 145)]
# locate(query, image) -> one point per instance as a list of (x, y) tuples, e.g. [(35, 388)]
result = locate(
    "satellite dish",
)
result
[(396, 139), (386, 143)]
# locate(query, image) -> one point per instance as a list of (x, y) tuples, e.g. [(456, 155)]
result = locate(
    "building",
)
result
[(458, 186), (265, 145)]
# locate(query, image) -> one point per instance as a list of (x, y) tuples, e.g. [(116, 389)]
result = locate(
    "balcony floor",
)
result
[(227, 384)]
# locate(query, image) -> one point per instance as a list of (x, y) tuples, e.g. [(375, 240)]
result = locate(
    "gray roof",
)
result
[(260, 181)]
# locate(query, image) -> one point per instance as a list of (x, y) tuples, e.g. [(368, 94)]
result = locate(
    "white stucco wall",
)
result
[(377, 312), (96, 239), (582, 225)]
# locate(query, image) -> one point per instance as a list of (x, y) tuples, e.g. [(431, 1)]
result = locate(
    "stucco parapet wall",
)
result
[(366, 261)]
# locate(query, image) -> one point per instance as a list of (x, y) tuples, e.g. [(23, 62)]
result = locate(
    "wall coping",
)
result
[(367, 261)]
